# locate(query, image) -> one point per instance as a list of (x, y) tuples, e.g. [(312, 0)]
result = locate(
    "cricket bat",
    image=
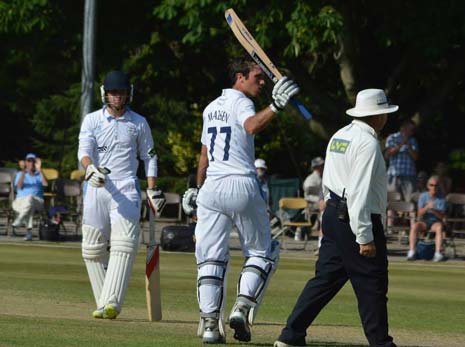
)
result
[(258, 55), (152, 273)]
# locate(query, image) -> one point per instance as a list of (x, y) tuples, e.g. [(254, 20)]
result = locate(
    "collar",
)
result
[(365, 127), (233, 91), (126, 115)]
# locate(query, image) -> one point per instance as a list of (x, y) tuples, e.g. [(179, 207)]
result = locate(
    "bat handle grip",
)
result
[(302, 109)]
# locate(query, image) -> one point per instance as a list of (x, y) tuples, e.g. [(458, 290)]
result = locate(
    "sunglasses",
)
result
[(432, 185), (33, 160)]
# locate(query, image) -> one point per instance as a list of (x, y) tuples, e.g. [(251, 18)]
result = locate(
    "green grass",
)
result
[(46, 300)]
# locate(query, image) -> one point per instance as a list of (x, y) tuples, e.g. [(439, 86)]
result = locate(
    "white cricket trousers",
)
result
[(224, 202), (26, 206), (102, 206)]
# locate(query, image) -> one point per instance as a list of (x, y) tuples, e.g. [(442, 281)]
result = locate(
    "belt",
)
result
[(334, 196)]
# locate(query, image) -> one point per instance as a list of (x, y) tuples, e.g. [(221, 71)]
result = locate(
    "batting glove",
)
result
[(283, 91), (96, 176), (156, 200), (189, 201)]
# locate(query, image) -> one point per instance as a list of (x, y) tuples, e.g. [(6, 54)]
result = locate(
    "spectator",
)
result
[(262, 176), (312, 193), (422, 179), (444, 181), (312, 184), (29, 183), (402, 152), (431, 212)]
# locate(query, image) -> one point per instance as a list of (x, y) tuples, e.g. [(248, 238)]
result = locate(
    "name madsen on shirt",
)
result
[(220, 115)]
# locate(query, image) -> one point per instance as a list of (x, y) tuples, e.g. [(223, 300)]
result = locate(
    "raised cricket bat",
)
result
[(258, 55), (152, 273)]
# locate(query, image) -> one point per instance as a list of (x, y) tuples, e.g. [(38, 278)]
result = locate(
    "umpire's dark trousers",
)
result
[(339, 261)]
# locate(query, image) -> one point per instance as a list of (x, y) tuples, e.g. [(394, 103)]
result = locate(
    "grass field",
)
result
[(46, 300)]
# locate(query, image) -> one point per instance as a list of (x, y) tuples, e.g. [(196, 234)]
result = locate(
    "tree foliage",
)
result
[(176, 53)]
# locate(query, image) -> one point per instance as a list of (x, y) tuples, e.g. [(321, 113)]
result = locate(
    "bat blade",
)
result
[(258, 55), (152, 274)]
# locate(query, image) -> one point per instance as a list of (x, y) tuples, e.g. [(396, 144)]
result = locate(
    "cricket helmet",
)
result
[(116, 80)]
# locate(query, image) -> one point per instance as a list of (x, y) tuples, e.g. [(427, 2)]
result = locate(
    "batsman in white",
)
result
[(230, 195), (109, 142)]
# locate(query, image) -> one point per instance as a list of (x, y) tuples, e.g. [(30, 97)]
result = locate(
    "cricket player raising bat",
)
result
[(109, 142), (230, 195)]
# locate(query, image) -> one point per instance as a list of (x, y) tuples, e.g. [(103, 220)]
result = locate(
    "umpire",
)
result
[(354, 246)]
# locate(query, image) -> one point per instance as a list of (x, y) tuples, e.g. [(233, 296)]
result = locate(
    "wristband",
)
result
[(275, 108)]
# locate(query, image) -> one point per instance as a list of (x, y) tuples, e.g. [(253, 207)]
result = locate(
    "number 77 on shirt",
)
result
[(258, 55)]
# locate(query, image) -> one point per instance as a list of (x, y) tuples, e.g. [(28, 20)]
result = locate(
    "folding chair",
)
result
[(49, 192), (287, 205), (403, 215), (172, 210), (69, 195), (6, 198), (454, 222), (394, 196), (77, 175)]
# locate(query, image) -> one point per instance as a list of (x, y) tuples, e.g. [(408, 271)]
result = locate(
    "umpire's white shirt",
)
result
[(116, 143), (231, 150), (354, 161)]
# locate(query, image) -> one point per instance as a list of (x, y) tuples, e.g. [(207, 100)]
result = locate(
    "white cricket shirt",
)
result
[(231, 150), (354, 161), (117, 142)]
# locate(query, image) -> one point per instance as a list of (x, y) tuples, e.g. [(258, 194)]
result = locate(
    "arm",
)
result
[(147, 155), (253, 125), (202, 166), (39, 170), (358, 191)]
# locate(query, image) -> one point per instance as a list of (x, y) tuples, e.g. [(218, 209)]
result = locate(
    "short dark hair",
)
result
[(241, 65)]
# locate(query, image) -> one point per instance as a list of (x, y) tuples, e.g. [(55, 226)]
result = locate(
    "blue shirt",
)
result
[(401, 164), (439, 205), (32, 185)]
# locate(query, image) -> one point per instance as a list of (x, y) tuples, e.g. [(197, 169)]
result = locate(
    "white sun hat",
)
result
[(371, 102), (317, 161), (260, 164)]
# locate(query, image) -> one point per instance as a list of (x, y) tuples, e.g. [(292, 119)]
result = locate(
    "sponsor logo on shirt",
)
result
[(102, 149), (339, 146)]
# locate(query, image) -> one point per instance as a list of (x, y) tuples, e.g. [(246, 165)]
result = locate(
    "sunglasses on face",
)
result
[(31, 160), (432, 185)]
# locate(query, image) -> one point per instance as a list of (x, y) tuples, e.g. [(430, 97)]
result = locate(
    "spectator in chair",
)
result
[(29, 183), (312, 184), (431, 212)]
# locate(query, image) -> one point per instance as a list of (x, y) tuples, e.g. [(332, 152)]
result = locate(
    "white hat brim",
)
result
[(354, 112)]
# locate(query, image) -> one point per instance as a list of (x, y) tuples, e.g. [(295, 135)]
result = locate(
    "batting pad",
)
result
[(95, 255), (211, 292), (124, 242)]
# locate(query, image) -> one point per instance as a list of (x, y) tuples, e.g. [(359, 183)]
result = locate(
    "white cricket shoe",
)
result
[(110, 311), (239, 322), (98, 313), (211, 332), (278, 343)]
